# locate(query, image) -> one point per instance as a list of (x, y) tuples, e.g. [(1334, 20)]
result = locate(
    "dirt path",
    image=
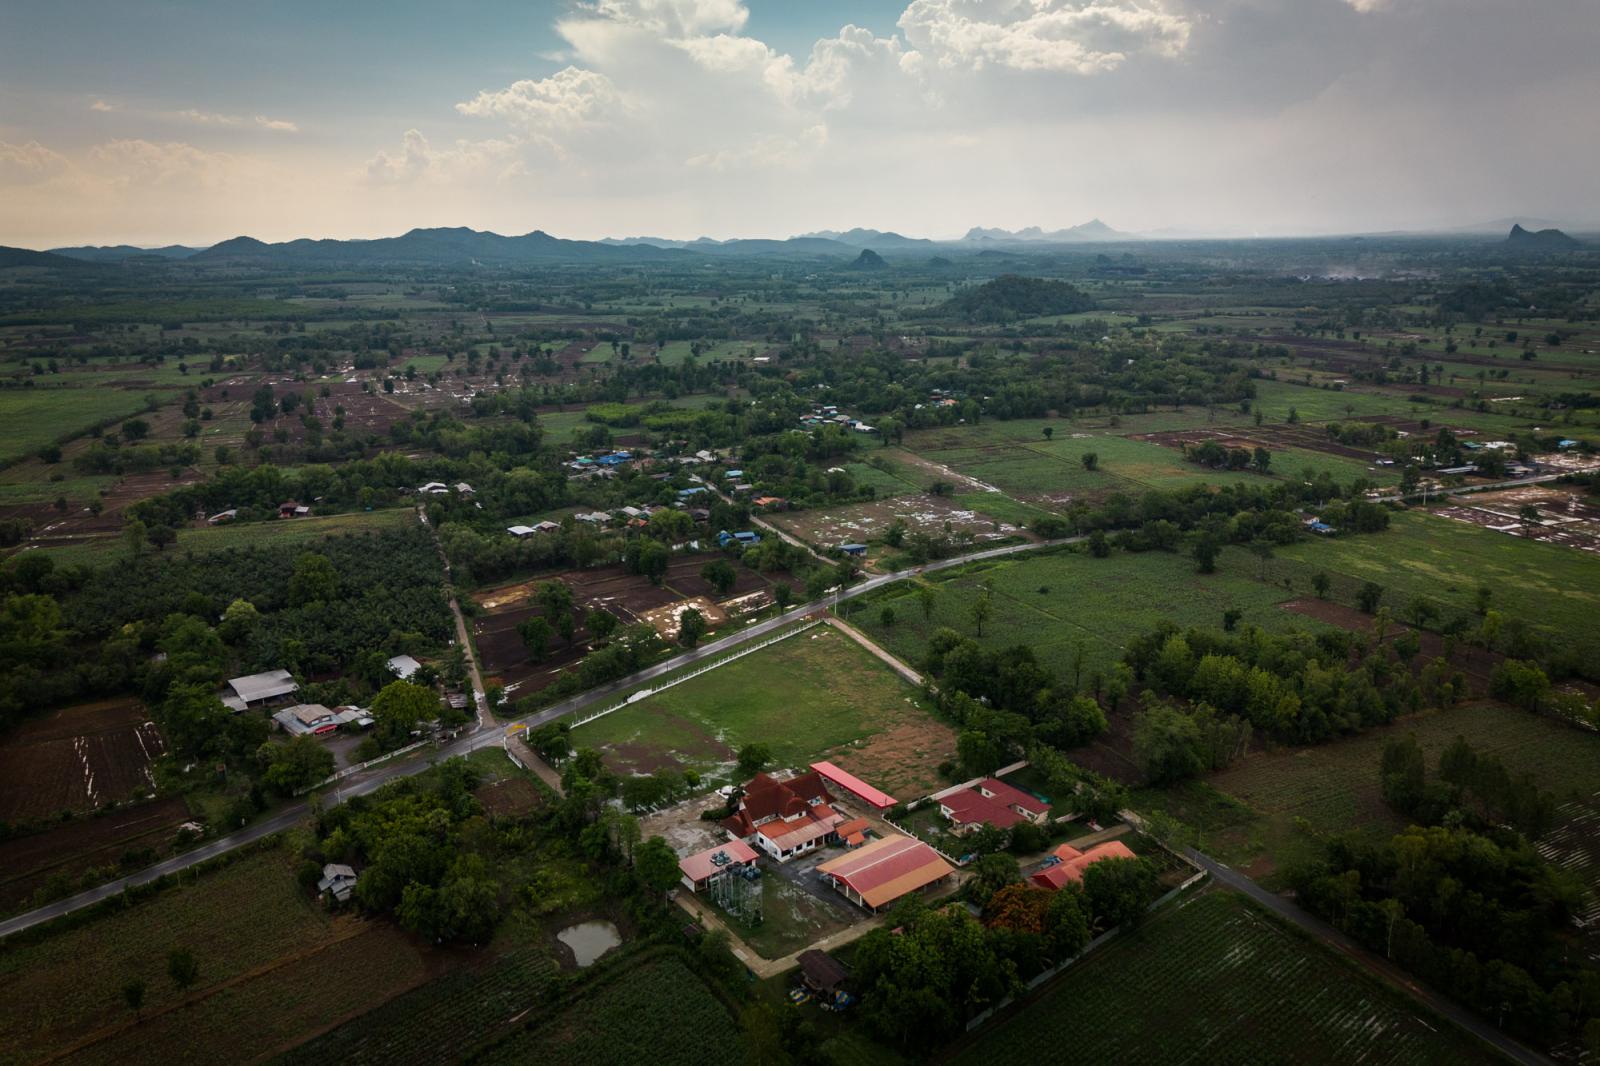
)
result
[(866, 642), (960, 480)]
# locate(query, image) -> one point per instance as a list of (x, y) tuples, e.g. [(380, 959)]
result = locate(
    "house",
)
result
[(784, 818), (852, 784), (359, 717), (694, 490), (223, 516), (403, 666), (615, 459), (992, 802), (771, 503), (853, 550), (1564, 444), (546, 526), (338, 881), (593, 518), (463, 488), (699, 869), (822, 973), (290, 509), (1317, 525), (306, 719), (521, 531), (875, 875), (260, 688), (734, 475), (1069, 863), (434, 488), (852, 834)]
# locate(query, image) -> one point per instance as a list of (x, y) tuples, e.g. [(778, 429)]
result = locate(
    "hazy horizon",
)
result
[(153, 124)]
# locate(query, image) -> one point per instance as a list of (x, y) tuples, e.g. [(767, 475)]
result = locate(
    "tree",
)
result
[(162, 535), (403, 705), (1099, 544), (1205, 554), (238, 620), (1166, 743), (978, 754), (1369, 597), (1119, 891), (1528, 515), (992, 873), (720, 575), (535, 634), (1262, 550), (1049, 431), (1320, 584), (182, 967), (656, 864), (1261, 460), (1403, 773), (692, 626), (134, 535), (295, 764), (929, 599), (314, 580), (982, 610), (133, 995), (1090, 460), (556, 599), (601, 623), (886, 616), (753, 758)]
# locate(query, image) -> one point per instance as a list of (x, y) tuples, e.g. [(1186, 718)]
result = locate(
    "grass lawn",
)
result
[(1212, 979), (791, 918), (1551, 587), (815, 695), (1055, 601), (1247, 814)]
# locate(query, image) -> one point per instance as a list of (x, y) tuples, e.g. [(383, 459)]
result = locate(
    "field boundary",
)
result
[(646, 693), (339, 775)]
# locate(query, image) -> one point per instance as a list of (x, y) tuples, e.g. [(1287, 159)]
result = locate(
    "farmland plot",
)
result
[(1212, 980), (77, 759)]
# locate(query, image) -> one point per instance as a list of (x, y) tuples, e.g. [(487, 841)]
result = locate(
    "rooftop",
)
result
[(884, 870), (263, 686)]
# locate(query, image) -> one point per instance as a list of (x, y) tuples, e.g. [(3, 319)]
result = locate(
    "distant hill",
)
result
[(1093, 230), (25, 257), (869, 260), (113, 253), (1544, 240), (869, 238), (1013, 296)]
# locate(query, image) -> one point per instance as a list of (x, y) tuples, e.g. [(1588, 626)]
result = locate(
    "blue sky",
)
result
[(150, 122)]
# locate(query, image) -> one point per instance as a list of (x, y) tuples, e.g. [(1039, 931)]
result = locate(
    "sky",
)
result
[(150, 123)]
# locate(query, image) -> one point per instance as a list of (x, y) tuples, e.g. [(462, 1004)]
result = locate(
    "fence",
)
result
[(348, 770), (645, 693)]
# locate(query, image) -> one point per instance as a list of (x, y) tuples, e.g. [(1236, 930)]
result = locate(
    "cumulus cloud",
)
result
[(569, 99), (101, 105), (676, 18), (1078, 36), (277, 125), (28, 163), (215, 118), (135, 161), (416, 160), (770, 151)]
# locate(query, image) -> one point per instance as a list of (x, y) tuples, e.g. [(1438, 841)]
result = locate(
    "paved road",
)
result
[(486, 734), (1381, 967), (1460, 490)]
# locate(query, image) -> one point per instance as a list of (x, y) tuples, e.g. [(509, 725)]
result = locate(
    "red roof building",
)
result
[(1074, 862), (784, 818), (878, 873), (992, 802), (852, 784)]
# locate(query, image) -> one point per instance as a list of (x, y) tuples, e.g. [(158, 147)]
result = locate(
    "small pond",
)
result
[(590, 940)]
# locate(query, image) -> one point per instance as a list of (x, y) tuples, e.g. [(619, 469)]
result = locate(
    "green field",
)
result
[(658, 1012), (33, 418), (1552, 587), (1055, 601), (1334, 787), (1211, 979), (804, 697), (247, 534)]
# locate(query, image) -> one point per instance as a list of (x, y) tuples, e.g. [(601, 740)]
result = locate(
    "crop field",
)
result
[(33, 418), (436, 1022), (77, 758), (1550, 585), (245, 920), (56, 856), (657, 1012), (1211, 979), (815, 695), (1059, 601)]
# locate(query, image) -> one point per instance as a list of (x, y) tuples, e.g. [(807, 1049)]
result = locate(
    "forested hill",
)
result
[(1014, 296)]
